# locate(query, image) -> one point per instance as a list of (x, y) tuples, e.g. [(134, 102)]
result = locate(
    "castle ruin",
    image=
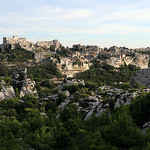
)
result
[(16, 42)]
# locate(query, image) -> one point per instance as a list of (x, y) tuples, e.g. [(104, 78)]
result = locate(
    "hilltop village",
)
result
[(78, 58)]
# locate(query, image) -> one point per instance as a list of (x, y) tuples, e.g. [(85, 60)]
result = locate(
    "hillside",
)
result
[(96, 108)]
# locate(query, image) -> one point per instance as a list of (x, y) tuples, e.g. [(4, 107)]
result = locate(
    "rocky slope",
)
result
[(20, 81), (96, 103), (142, 77)]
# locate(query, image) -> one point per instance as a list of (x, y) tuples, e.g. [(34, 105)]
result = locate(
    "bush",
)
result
[(139, 109), (47, 83), (91, 85), (43, 71), (62, 97), (3, 70), (102, 74), (71, 88)]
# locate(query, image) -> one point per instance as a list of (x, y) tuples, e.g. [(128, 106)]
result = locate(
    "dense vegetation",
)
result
[(16, 55), (36, 123), (103, 74), (43, 71), (30, 123)]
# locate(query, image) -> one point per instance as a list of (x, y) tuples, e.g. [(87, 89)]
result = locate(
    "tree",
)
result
[(139, 109), (122, 132)]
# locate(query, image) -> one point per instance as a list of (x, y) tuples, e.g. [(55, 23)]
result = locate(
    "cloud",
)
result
[(104, 30), (99, 18), (49, 12)]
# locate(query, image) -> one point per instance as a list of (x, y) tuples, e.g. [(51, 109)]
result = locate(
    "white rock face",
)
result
[(63, 104), (2, 96), (9, 92), (6, 92), (138, 60), (28, 87), (88, 115), (74, 81)]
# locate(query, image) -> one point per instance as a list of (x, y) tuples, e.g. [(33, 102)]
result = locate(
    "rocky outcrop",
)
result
[(6, 92), (28, 87), (142, 77), (47, 44), (68, 68), (71, 71), (145, 127), (41, 56), (15, 42), (138, 60), (114, 49), (74, 81), (18, 77), (97, 103), (23, 83)]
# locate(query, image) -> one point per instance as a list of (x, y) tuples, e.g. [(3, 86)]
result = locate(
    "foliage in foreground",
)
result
[(31, 124)]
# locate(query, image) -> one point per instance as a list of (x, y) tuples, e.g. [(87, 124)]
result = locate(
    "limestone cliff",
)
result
[(138, 60), (69, 69)]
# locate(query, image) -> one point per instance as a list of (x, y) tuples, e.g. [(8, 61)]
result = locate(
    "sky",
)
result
[(90, 22)]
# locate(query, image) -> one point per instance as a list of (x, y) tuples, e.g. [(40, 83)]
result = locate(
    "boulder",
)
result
[(2, 96), (145, 127), (6, 92), (28, 87), (67, 93), (18, 76)]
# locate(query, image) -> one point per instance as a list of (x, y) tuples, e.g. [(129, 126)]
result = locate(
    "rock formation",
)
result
[(18, 77), (24, 84), (28, 87), (15, 42), (138, 60), (67, 67), (142, 77), (47, 44), (6, 92), (96, 103)]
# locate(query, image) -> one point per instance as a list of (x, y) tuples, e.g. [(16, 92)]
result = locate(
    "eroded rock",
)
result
[(6, 92), (28, 87)]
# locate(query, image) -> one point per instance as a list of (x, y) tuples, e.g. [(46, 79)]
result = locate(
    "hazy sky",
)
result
[(100, 22)]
